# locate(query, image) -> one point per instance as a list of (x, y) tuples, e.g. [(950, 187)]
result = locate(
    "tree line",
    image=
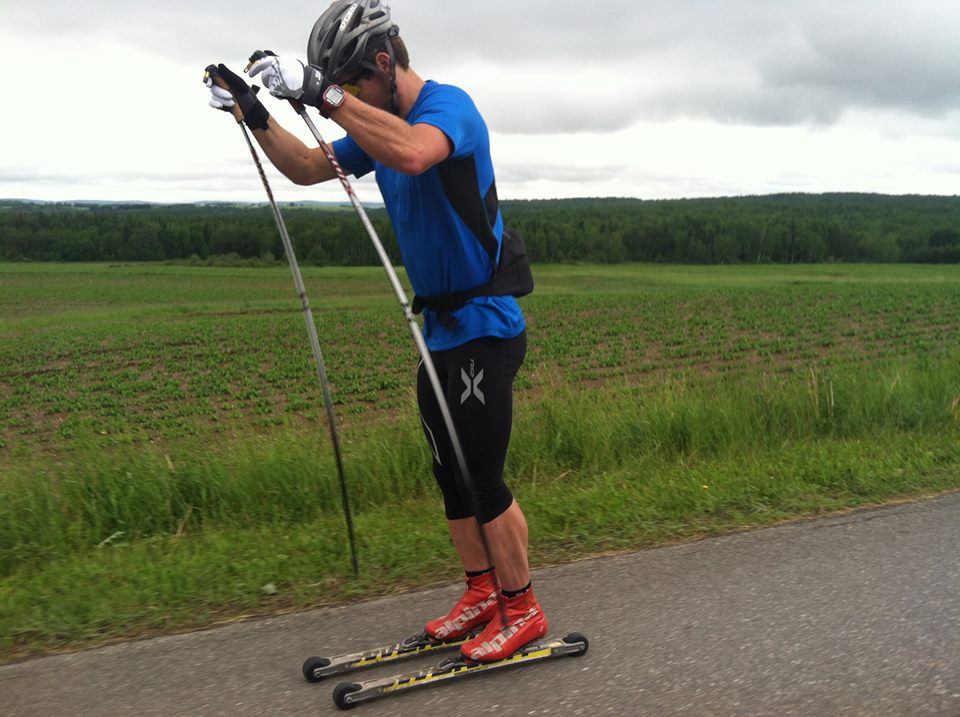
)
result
[(785, 228)]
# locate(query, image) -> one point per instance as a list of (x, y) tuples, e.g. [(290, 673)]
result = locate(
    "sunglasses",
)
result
[(350, 85)]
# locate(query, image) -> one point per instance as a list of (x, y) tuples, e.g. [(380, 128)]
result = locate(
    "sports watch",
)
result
[(332, 99)]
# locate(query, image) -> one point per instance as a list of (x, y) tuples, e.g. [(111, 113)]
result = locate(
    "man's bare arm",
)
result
[(299, 163), (411, 149)]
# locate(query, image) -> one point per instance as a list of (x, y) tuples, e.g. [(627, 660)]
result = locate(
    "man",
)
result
[(429, 148)]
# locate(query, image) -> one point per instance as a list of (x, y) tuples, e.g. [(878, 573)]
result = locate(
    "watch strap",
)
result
[(314, 85)]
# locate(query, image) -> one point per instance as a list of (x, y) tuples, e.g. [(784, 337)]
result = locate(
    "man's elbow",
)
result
[(413, 162), (305, 175), (307, 168), (301, 180)]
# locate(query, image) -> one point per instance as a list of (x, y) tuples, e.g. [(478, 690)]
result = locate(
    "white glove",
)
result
[(220, 98), (285, 82)]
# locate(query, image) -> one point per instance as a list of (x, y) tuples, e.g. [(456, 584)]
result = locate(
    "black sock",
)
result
[(515, 593), (478, 573)]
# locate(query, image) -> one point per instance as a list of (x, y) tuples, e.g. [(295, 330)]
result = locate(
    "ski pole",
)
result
[(308, 317), (466, 479)]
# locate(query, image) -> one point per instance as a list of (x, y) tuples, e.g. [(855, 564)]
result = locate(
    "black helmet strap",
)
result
[(394, 31)]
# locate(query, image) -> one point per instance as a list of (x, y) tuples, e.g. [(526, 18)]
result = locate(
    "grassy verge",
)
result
[(139, 541)]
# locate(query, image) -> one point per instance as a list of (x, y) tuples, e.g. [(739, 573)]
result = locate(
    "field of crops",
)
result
[(120, 354), (161, 427)]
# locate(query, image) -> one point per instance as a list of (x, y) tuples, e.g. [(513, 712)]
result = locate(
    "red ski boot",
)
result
[(520, 622), (477, 606)]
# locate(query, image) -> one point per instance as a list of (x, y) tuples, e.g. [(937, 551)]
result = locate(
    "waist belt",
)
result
[(511, 278)]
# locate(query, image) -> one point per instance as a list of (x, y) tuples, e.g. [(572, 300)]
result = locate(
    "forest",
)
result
[(785, 228)]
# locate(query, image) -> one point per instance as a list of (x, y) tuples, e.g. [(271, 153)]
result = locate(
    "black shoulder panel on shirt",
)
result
[(459, 180)]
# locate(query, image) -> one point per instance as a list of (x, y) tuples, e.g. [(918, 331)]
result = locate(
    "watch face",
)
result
[(333, 95)]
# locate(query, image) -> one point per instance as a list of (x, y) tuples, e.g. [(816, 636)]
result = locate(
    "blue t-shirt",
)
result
[(447, 220)]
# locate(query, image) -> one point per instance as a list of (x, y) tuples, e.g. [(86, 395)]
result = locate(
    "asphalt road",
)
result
[(857, 615)]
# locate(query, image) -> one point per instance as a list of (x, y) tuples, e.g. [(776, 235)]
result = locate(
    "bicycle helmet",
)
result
[(340, 36)]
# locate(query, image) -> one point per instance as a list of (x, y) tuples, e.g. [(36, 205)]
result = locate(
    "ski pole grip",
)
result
[(211, 74)]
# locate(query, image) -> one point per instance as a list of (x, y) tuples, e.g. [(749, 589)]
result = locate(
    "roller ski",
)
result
[(463, 623), (347, 695), (316, 669), (512, 637)]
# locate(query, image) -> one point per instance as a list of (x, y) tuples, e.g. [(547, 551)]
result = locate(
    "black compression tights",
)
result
[(477, 379)]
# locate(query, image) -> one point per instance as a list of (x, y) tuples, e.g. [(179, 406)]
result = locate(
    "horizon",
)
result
[(379, 204)]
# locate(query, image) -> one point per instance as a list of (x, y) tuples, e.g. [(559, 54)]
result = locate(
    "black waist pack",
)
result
[(511, 278)]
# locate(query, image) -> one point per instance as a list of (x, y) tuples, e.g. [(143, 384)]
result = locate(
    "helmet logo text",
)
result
[(347, 15)]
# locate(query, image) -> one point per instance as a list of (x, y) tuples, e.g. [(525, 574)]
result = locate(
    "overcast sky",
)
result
[(646, 98)]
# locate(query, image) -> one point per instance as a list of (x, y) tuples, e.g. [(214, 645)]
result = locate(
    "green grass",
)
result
[(171, 583), (164, 465)]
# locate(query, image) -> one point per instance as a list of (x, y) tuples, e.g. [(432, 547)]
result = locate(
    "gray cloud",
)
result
[(510, 172), (566, 66)]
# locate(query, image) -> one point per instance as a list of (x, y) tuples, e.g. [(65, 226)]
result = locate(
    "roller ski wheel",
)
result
[(340, 693), (312, 667), (575, 637)]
